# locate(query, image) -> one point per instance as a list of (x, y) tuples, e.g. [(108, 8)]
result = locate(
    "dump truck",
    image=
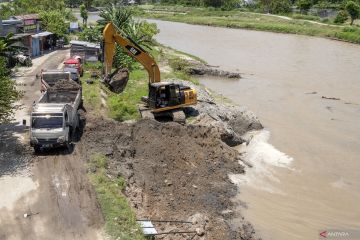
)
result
[(54, 118), (50, 77)]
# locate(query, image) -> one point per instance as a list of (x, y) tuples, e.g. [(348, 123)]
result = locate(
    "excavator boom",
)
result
[(111, 37)]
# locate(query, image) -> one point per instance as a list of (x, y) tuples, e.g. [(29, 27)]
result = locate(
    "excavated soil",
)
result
[(173, 172), (118, 79), (65, 84)]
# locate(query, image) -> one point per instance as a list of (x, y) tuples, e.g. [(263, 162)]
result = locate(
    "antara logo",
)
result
[(323, 234), (334, 234)]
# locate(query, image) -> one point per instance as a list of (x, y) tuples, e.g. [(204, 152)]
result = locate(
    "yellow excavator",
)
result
[(165, 98)]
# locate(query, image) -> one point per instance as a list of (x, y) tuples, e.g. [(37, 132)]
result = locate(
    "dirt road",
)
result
[(43, 196)]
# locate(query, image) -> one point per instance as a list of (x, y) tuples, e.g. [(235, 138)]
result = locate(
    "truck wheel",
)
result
[(37, 149)]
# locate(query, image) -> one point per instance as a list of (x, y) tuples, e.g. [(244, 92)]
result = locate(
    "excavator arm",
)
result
[(111, 36)]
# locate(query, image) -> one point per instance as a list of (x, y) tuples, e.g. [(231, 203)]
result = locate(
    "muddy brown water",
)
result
[(306, 174)]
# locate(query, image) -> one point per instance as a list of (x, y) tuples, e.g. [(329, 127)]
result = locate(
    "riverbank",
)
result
[(252, 21), (125, 165)]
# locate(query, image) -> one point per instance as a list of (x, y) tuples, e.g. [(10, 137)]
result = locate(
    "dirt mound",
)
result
[(230, 121), (174, 172), (65, 84)]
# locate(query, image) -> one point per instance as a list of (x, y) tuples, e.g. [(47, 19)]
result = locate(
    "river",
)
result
[(305, 177)]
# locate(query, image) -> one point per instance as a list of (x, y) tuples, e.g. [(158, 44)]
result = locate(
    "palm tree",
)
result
[(8, 48), (119, 16), (122, 18)]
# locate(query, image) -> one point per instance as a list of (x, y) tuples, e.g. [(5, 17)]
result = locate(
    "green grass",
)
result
[(249, 20), (305, 17), (120, 219), (123, 106), (91, 93)]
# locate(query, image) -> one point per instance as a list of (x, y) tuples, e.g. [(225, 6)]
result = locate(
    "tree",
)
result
[(54, 21), (6, 11), (83, 14), (341, 17), (88, 3), (91, 34), (140, 31), (304, 5), (8, 94), (231, 4), (353, 10), (213, 3), (35, 6), (8, 49), (279, 6)]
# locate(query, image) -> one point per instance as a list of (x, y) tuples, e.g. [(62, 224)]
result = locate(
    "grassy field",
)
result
[(298, 24), (120, 219)]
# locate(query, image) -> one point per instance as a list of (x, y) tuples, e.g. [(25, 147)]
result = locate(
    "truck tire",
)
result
[(37, 149)]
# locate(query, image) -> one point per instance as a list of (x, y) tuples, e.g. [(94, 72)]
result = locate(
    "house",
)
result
[(9, 26), (30, 23), (90, 52)]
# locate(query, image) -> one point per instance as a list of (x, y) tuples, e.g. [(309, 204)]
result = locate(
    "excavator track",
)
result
[(178, 116), (145, 112)]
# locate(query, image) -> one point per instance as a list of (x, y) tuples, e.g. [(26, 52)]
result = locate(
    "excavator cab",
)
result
[(164, 94)]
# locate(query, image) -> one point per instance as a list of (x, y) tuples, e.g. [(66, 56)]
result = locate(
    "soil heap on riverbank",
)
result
[(179, 172)]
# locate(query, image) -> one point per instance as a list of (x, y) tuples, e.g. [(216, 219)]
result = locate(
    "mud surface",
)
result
[(44, 196), (173, 172)]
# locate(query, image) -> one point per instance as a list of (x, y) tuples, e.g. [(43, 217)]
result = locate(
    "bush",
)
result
[(280, 6), (54, 21), (354, 10), (304, 5), (341, 17), (8, 94)]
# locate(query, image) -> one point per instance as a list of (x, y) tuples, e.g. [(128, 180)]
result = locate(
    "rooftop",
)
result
[(27, 16)]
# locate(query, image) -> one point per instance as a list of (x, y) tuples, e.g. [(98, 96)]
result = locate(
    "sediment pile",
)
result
[(180, 172), (65, 84), (173, 172)]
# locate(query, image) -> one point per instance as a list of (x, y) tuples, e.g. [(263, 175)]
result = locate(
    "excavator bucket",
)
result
[(117, 80)]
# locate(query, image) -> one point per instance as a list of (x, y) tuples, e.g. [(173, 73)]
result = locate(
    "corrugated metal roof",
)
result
[(42, 34), (28, 16), (85, 44)]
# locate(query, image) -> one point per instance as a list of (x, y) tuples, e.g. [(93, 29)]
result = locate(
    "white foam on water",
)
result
[(265, 159)]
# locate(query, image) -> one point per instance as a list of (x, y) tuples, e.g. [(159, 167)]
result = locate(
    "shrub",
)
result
[(341, 17), (354, 10), (280, 6), (304, 5)]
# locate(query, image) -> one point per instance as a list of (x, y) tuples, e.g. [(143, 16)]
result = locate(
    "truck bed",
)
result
[(59, 97)]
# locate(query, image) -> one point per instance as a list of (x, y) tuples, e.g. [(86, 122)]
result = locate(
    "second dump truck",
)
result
[(54, 119)]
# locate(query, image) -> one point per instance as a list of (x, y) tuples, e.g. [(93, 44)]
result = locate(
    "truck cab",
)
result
[(49, 126), (75, 63)]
